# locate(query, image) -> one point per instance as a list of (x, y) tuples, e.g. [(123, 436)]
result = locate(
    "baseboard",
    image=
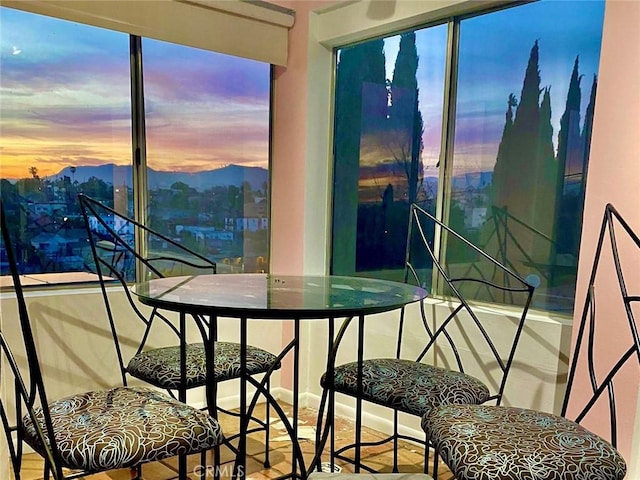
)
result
[(369, 419), (312, 401)]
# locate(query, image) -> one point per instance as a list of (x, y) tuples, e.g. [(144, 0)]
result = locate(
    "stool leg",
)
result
[(267, 463), (395, 441)]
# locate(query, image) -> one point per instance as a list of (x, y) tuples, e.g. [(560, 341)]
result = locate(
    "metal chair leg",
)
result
[(267, 463), (395, 441)]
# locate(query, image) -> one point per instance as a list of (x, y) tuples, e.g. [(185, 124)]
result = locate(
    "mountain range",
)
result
[(226, 176), (122, 175)]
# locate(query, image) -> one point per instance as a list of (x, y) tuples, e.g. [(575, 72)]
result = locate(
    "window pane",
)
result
[(65, 122), (515, 172), (523, 126), (389, 96), (207, 124)]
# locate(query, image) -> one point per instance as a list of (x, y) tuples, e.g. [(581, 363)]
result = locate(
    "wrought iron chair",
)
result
[(114, 257), (489, 442), (89, 432), (439, 374)]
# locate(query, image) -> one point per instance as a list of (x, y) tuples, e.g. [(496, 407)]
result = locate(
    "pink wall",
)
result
[(289, 143), (288, 158), (614, 177)]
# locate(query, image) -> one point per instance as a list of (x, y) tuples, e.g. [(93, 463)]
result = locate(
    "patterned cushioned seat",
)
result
[(483, 442), (408, 386), (124, 427), (161, 366)]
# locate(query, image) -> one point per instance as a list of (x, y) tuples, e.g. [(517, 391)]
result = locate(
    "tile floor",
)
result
[(379, 458)]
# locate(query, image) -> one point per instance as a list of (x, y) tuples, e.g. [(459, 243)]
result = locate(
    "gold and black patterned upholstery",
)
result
[(368, 476), (114, 256), (408, 386), (488, 442), (161, 366), (123, 427)]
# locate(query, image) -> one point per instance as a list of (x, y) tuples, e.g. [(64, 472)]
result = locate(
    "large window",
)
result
[(66, 129), (502, 159), (67, 126), (207, 130)]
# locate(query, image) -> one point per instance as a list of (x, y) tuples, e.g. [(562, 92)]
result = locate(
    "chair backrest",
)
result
[(113, 246), (479, 277), (619, 234), (27, 397)]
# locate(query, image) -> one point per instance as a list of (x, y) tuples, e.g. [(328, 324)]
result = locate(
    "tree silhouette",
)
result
[(501, 169), (523, 183), (570, 169), (406, 124), (518, 152), (542, 191), (570, 142)]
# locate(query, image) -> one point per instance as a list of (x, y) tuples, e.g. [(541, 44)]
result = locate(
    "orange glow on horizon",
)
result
[(17, 155), (50, 157)]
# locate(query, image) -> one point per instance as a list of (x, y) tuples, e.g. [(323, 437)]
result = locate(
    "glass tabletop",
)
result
[(277, 296)]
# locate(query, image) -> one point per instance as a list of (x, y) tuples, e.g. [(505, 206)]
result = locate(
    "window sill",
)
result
[(50, 279)]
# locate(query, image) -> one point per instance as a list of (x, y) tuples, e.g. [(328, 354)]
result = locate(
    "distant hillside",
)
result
[(118, 175)]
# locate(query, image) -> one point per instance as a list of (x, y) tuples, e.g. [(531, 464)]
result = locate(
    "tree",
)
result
[(522, 188), (570, 166), (570, 142), (501, 169), (518, 150), (98, 189), (406, 124)]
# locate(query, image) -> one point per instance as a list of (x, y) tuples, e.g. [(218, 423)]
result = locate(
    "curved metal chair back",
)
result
[(527, 440), (441, 373), (27, 397), (480, 277), (111, 236), (116, 258), (612, 226), (70, 433)]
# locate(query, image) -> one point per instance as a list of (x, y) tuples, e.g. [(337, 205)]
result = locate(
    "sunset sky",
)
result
[(64, 90), (65, 101)]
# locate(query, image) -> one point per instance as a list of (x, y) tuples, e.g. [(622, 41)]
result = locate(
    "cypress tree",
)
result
[(526, 119), (406, 124), (546, 155), (570, 164), (501, 169), (587, 129), (544, 184), (516, 161), (523, 182), (358, 65), (586, 142), (570, 147)]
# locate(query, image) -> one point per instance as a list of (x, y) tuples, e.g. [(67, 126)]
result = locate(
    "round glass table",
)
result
[(277, 297)]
